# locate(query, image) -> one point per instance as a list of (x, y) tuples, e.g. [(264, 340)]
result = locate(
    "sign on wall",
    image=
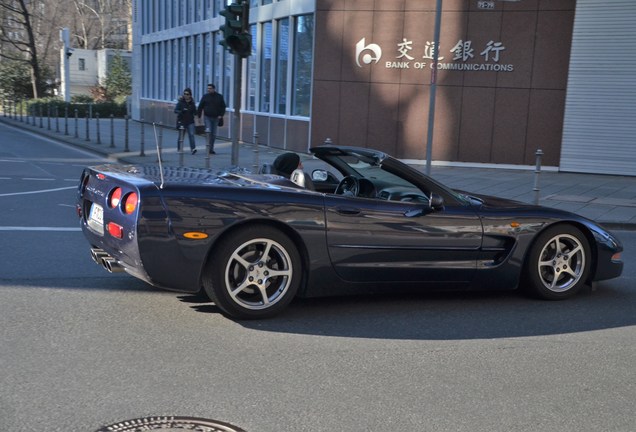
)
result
[(462, 56)]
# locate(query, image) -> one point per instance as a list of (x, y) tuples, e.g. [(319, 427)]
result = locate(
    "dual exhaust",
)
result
[(108, 262)]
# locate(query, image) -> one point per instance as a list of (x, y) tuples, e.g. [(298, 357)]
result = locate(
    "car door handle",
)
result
[(347, 210)]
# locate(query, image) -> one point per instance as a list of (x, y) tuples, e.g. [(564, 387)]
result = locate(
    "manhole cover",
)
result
[(170, 423)]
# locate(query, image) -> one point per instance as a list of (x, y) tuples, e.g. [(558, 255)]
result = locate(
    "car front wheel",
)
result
[(253, 273), (559, 262)]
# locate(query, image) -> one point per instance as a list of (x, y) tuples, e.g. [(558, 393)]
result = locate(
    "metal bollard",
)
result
[(65, 119), (207, 147), (126, 131), (20, 111), (256, 150), (180, 144), (537, 172), (99, 136), (76, 123), (48, 116), (112, 131), (143, 138), (57, 119), (88, 137), (40, 113)]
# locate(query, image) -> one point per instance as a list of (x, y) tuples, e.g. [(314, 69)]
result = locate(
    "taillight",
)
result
[(115, 230), (115, 197), (130, 203)]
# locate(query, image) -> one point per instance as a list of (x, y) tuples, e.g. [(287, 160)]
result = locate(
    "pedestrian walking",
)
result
[(212, 106), (185, 110)]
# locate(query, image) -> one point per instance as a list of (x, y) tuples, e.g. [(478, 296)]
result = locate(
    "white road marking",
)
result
[(17, 228), (37, 192), (37, 179)]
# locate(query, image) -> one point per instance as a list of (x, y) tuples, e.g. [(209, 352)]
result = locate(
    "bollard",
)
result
[(20, 111), (180, 144), (256, 162), (57, 119), (99, 136), (76, 123), (143, 138), (48, 116), (88, 137), (537, 172), (40, 113), (126, 130), (328, 141), (112, 131), (207, 147), (65, 119)]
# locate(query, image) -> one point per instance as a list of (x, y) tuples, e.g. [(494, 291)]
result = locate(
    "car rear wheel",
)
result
[(559, 263), (253, 273)]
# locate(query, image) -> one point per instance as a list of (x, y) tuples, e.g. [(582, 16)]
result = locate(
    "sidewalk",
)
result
[(609, 200)]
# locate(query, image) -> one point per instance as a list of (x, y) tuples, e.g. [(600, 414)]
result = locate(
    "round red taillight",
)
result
[(130, 203), (115, 197)]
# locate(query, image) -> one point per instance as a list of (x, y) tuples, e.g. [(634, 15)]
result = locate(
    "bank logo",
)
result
[(370, 53)]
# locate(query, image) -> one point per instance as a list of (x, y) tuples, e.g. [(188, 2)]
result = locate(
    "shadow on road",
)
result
[(453, 315)]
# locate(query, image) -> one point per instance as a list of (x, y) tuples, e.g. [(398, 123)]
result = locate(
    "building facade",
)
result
[(360, 72)]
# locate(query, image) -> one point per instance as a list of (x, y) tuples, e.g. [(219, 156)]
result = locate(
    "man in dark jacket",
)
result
[(185, 110), (212, 105)]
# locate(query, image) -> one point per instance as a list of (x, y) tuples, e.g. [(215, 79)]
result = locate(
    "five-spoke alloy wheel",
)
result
[(559, 262), (253, 273)]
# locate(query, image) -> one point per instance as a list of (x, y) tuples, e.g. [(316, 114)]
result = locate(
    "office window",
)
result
[(303, 58), (266, 67), (282, 49), (199, 62), (251, 74)]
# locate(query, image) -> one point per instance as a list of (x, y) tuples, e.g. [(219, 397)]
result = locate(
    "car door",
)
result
[(374, 240)]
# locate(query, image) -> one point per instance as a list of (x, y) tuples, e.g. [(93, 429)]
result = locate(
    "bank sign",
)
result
[(460, 57)]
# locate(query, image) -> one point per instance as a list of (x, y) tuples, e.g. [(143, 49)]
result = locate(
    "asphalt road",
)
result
[(81, 348)]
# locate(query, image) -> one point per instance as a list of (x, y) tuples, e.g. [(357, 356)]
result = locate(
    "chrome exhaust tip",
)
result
[(112, 265), (98, 254)]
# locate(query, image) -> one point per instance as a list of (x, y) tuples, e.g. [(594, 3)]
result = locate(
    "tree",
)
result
[(119, 80), (98, 24), (14, 80), (18, 39)]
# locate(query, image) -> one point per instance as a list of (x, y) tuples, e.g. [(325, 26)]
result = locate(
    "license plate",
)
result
[(96, 218)]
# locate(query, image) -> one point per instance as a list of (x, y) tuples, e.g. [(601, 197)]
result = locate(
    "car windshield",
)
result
[(369, 168)]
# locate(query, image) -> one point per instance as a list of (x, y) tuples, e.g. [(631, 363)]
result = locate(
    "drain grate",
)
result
[(170, 423)]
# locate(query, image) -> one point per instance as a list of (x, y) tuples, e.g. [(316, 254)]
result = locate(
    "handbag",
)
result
[(221, 122)]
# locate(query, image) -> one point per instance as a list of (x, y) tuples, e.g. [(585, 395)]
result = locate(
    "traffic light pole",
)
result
[(236, 122)]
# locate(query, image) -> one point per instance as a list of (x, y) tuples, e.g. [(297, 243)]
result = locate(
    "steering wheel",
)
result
[(348, 186)]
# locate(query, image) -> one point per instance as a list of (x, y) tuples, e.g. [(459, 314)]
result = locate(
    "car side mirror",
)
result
[(436, 202)]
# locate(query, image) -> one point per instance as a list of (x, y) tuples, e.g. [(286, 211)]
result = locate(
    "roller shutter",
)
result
[(599, 130)]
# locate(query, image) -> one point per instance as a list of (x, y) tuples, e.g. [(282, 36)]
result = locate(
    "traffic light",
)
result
[(236, 35)]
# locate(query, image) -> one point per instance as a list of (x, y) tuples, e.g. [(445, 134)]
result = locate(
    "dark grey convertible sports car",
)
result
[(363, 221)]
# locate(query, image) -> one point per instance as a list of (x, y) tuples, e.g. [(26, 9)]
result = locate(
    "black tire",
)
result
[(558, 264), (253, 273)]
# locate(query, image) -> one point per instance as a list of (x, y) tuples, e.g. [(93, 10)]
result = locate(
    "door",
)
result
[(391, 241)]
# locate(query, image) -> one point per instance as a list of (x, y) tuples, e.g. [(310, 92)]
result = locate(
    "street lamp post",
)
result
[(433, 88)]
